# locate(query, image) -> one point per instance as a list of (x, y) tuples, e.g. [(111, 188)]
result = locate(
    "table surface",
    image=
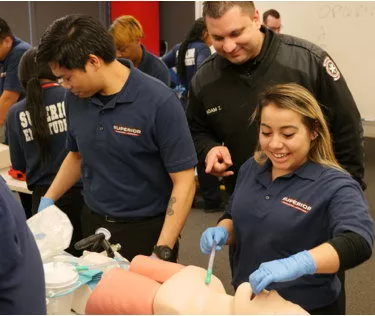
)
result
[(14, 184)]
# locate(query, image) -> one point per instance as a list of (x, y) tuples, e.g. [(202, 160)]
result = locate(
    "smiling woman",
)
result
[(285, 141), (293, 187), (292, 130)]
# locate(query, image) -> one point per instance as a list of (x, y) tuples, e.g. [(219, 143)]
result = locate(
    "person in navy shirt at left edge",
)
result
[(37, 138), (127, 33), (22, 288), (296, 217), (128, 138), (11, 51)]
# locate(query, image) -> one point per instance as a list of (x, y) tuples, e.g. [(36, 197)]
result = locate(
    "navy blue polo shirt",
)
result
[(296, 212), (24, 152), (154, 67), (9, 67), (129, 146), (22, 289)]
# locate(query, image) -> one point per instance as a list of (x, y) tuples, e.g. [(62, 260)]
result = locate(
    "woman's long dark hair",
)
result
[(30, 72), (195, 34)]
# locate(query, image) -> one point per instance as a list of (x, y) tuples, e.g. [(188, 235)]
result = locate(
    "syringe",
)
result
[(211, 263)]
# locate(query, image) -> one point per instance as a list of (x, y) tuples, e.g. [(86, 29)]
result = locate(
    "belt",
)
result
[(111, 219)]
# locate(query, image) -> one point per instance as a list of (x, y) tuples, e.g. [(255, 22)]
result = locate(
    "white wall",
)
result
[(345, 30)]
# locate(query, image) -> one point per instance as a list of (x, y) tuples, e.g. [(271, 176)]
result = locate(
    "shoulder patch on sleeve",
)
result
[(331, 68)]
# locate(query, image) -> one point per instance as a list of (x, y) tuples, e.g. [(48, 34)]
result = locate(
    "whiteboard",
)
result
[(346, 30)]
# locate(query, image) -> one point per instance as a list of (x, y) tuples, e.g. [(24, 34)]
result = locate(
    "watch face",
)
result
[(163, 252)]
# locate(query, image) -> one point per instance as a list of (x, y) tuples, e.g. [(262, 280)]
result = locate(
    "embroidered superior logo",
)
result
[(303, 207), (331, 68), (127, 130)]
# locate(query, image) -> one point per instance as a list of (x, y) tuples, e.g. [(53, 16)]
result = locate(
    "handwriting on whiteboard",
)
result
[(346, 10)]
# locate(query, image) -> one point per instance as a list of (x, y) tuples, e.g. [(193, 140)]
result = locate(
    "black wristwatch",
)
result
[(164, 253)]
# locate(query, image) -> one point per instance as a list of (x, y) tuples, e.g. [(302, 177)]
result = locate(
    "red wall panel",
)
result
[(147, 13)]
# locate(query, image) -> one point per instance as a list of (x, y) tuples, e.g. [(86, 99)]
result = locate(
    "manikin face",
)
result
[(273, 24), (83, 84), (235, 35), (284, 139)]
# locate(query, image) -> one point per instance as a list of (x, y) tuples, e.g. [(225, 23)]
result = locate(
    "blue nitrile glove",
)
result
[(44, 203), (281, 270), (218, 233)]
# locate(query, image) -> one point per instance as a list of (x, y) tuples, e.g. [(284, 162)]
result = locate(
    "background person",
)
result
[(187, 57), (272, 20), (127, 138), (128, 33), (295, 214), (11, 51), (37, 138)]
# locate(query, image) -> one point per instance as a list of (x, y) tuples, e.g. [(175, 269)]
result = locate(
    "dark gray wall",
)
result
[(176, 18), (29, 19), (17, 16)]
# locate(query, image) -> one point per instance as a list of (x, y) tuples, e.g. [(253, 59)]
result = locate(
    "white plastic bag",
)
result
[(52, 231)]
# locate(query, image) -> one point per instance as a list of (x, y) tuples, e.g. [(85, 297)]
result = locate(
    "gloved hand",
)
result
[(218, 234), (282, 270), (44, 203)]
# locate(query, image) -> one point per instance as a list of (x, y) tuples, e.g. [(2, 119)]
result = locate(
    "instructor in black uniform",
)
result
[(249, 58)]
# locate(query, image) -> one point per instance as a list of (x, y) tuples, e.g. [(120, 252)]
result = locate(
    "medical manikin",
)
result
[(153, 286)]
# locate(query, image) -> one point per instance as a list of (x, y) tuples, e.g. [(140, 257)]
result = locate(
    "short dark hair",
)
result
[(216, 9), (270, 12), (4, 29), (70, 40)]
